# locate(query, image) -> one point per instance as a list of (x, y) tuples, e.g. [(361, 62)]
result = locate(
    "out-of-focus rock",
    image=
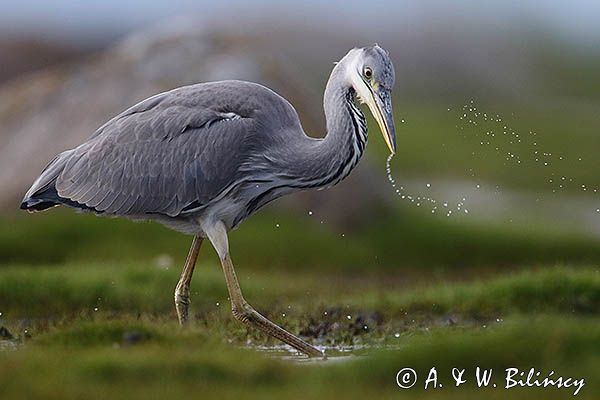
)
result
[(22, 55), (47, 112)]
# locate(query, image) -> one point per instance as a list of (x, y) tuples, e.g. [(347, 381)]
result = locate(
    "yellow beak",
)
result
[(380, 104)]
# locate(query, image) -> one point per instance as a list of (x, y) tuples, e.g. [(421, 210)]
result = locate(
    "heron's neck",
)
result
[(317, 163), (343, 146)]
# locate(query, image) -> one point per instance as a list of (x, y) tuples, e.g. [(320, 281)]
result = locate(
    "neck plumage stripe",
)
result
[(359, 122), (356, 146)]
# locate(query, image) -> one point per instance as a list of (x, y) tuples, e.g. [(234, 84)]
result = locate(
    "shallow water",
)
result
[(334, 354), (8, 345)]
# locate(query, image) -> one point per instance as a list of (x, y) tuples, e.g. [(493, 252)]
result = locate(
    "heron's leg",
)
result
[(182, 290), (243, 311)]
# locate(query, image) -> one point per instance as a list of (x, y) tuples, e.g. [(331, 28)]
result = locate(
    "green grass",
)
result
[(570, 346), (547, 319), (405, 238), (43, 297), (91, 311), (27, 291)]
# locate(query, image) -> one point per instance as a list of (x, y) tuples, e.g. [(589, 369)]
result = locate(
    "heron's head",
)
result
[(371, 74)]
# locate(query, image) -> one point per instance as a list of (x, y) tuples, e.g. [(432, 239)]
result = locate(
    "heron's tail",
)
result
[(42, 194)]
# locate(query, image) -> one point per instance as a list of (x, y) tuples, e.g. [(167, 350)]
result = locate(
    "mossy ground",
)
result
[(97, 331)]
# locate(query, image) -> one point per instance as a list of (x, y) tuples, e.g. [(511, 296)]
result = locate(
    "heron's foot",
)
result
[(182, 303), (253, 318)]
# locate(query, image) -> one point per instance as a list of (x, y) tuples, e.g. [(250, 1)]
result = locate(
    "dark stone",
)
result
[(133, 337), (5, 334)]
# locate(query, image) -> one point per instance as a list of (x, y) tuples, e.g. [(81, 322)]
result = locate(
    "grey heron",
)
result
[(203, 158)]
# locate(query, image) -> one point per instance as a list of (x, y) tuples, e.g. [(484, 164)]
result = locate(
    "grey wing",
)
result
[(165, 155)]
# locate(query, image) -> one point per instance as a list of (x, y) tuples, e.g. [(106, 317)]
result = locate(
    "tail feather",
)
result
[(42, 194)]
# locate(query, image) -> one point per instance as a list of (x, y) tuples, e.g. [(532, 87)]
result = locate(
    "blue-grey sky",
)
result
[(81, 20)]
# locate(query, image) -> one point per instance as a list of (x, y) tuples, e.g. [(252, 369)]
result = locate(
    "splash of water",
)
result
[(518, 148), (523, 149), (418, 200)]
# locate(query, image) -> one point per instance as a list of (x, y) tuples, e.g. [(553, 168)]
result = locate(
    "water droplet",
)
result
[(396, 335), (418, 200), (310, 213), (95, 308), (217, 304), (349, 316), (277, 225), (283, 315)]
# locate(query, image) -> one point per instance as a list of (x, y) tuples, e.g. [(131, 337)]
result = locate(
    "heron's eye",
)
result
[(368, 73)]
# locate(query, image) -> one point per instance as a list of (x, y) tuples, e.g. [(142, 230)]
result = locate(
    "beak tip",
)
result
[(392, 147)]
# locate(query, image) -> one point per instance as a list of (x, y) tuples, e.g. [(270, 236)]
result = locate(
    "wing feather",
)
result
[(165, 153)]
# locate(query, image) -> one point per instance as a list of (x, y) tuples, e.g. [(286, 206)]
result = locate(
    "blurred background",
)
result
[(496, 109), (494, 219)]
